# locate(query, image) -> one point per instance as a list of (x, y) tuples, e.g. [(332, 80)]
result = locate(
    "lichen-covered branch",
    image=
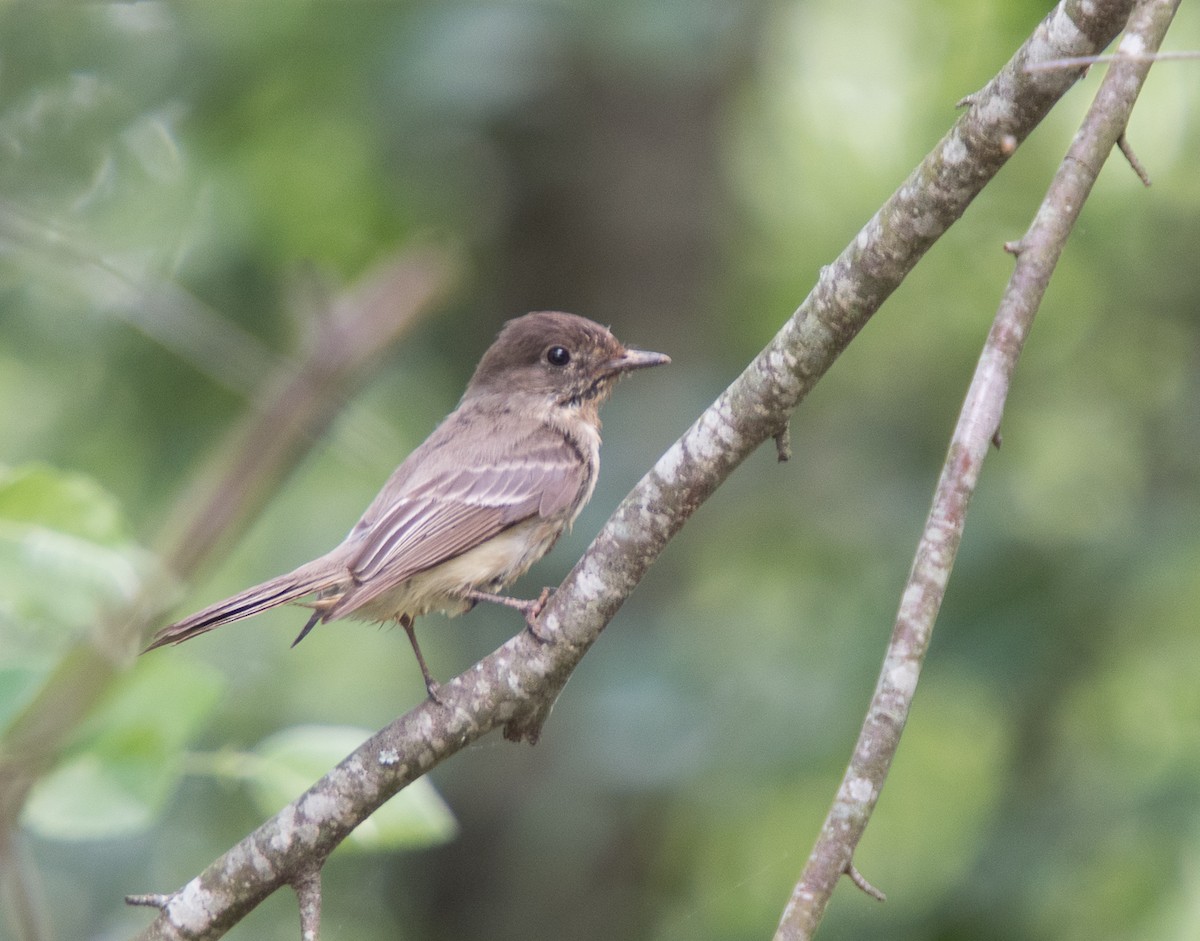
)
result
[(978, 423), (515, 687)]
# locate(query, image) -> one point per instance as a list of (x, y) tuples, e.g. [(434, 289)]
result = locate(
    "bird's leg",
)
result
[(531, 609), (431, 685)]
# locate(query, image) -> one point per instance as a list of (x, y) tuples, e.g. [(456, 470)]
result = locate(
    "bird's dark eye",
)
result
[(558, 356)]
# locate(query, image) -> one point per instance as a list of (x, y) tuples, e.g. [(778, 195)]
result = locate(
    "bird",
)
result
[(485, 496)]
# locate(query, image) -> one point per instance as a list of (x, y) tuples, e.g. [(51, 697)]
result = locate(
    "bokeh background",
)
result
[(679, 170)]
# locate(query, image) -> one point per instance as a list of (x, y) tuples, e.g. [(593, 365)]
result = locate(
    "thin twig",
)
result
[(1132, 158), (1074, 62), (308, 894), (976, 429), (861, 881), (783, 445), (148, 900)]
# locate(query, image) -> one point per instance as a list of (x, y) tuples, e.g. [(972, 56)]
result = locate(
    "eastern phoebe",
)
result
[(483, 498)]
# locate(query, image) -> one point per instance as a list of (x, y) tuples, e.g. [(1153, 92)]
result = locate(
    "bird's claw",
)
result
[(534, 611)]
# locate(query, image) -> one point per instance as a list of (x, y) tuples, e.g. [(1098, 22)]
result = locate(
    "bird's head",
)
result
[(564, 358)]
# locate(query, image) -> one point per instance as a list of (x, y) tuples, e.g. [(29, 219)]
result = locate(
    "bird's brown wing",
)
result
[(441, 517)]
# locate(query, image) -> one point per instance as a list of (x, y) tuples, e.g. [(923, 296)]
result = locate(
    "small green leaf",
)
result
[(127, 758), (62, 501), (65, 556), (289, 761), (87, 798)]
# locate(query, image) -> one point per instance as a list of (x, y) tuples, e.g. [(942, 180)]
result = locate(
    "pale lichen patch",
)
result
[(860, 789), (191, 908), (590, 586), (285, 832), (903, 678), (781, 367), (712, 437), (955, 151), (913, 597), (670, 464), (506, 710), (319, 806), (995, 110), (261, 862), (1062, 34), (1132, 44)]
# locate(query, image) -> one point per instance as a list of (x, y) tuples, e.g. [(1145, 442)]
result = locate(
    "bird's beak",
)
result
[(636, 359)]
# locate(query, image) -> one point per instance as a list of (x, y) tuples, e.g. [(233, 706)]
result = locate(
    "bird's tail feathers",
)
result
[(308, 579)]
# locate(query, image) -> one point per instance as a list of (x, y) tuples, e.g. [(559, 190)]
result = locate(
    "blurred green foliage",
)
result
[(66, 556), (127, 758), (170, 170)]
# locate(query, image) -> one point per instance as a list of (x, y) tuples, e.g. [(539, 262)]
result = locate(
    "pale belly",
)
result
[(488, 567)]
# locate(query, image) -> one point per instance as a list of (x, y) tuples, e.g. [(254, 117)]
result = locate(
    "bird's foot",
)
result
[(534, 612), (434, 689), (532, 609)]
